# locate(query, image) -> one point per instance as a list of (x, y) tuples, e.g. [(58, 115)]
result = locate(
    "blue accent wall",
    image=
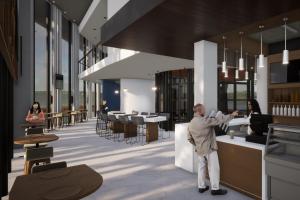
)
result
[(112, 99)]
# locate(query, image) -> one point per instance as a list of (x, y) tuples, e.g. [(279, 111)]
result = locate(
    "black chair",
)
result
[(125, 121), (135, 112), (141, 126), (46, 167), (112, 119), (32, 131), (144, 113), (154, 114), (164, 125)]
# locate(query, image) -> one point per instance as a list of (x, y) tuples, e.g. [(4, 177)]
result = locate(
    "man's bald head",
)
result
[(199, 109)]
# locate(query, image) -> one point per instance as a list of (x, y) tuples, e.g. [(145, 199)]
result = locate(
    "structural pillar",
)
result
[(262, 87), (205, 74)]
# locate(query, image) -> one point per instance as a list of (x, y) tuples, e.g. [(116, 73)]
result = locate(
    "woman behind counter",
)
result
[(35, 114), (254, 108)]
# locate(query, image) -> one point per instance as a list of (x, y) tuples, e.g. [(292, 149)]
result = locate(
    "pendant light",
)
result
[(241, 60), (246, 72), (261, 58), (224, 67), (226, 73), (237, 72), (255, 67), (285, 53)]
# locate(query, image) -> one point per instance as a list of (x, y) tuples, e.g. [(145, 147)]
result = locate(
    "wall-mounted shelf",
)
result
[(284, 85), (282, 103)]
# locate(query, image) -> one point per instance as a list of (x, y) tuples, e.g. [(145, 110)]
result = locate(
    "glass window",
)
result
[(241, 91), (41, 61), (65, 56)]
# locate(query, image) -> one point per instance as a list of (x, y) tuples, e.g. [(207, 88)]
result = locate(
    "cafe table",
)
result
[(68, 183), (36, 139)]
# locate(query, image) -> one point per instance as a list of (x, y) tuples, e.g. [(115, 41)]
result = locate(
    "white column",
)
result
[(262, 87), (205, 75), (74, 66)]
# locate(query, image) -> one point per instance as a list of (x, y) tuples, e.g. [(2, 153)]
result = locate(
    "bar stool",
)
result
[(141, 126), (113, 127), (164, 123)]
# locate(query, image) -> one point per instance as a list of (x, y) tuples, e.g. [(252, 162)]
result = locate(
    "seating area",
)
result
[(132, 128)]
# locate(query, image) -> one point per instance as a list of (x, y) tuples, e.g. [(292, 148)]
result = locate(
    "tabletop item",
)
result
[(78, 182), (231, 133)]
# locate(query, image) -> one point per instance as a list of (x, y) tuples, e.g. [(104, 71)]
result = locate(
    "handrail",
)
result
[(91, 57)]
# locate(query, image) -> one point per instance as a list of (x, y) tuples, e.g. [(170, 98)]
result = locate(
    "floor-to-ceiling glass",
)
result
[(41, 61), (81, 67), (65, 60)]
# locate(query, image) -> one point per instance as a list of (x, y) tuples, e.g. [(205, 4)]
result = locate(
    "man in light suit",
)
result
[(201, 134)]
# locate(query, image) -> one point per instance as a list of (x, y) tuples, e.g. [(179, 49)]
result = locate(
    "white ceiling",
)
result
[(277, 34), (94, 18), (138, 66)]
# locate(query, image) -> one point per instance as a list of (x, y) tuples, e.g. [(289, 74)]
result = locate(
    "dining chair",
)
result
[(141, 127), (32, 131), (50, 166), (144, 113), (36, 156), (124, 119)]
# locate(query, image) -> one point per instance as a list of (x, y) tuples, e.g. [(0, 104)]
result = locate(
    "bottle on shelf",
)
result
[(293, 111), (277, 110), (289, 111), (281, 110), (285, 110), (297, 111), (273, 110)]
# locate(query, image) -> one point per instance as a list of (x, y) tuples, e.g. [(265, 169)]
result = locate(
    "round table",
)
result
[(36, 139), (74, 182)]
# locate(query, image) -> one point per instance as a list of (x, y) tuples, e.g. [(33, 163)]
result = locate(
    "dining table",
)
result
[(151, 121), (69, 183), (32, 124)]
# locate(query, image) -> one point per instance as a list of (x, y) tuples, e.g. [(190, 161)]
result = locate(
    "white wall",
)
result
[(262, 87), (139, 95)]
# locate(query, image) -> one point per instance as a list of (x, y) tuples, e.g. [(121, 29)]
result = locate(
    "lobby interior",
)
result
[(114, 84)]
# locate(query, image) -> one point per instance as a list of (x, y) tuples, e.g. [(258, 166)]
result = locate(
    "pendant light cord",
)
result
[(285, 33)]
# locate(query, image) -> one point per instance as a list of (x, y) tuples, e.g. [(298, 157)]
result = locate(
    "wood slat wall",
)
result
[(8, 39)]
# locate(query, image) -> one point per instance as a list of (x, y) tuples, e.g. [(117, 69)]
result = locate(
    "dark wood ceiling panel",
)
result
[(173, 26)]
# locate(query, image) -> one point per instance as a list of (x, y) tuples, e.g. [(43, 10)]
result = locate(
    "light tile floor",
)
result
[(130, 172)]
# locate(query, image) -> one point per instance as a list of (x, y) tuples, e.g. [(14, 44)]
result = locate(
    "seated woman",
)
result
[(254, 108), (35, 114)]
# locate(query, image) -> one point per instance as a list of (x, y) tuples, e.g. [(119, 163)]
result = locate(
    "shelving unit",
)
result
[(283, 94)]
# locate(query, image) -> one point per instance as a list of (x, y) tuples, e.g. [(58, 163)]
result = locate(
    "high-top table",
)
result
[(58, 184), (151, 124)]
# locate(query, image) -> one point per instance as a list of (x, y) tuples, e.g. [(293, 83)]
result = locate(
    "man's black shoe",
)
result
[(201, 190), (219, 192)]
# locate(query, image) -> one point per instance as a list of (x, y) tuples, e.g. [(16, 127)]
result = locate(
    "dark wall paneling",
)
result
[(175, 95), (293, 44), (6, 125)]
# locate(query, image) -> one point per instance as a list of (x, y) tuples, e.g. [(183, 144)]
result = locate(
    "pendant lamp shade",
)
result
[(261, 57), (241, 60), (246, 75), (226, 73), (261, 60), (237, 74), (285, 57), (224, 66)]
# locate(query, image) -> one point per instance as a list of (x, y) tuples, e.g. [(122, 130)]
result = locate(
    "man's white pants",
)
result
[(212, 161)]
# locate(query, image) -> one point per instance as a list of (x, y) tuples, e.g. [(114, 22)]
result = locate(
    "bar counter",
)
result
[(242, 165)]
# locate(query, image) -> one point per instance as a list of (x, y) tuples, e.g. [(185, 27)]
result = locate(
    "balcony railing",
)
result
[(91, 57)]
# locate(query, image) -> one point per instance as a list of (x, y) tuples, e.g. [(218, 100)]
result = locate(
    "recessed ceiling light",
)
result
[(65, 12), (53, 1), (74, 20)]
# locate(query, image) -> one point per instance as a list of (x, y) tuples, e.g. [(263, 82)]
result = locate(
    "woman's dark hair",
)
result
[(255, 106), (39, 107)]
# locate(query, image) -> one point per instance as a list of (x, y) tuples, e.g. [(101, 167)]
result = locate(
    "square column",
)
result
[(206, 74)]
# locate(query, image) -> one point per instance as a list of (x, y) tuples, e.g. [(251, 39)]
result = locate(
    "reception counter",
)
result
[(242, 166)]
